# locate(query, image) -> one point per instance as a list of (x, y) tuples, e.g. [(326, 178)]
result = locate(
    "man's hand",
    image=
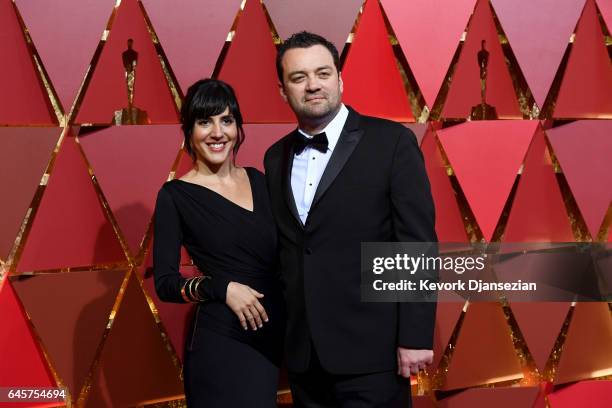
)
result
[(410, 361), (244, 301)]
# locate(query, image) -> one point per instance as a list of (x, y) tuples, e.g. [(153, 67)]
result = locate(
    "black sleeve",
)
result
[(167, 239), (413, 221)]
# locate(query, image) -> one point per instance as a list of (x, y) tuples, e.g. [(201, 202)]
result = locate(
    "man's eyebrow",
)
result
[(293, 73)]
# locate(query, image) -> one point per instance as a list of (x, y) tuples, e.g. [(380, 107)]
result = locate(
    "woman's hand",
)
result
[(244, 301)]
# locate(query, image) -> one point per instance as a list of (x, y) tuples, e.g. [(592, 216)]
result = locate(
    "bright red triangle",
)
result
[(23, 363), (591, 394), (55, 27), (538, 213), (540, 324), (372, 82), (464, 92), (118, 155), (192, 48), (82, 235), (587, 80), (586, 350), (107, 90), (486, 157), (134, 349), (70, 312), (449, 223), (250, 68), (583, 149), (23, 100), (484, 352), (259, 138), (25, 151), (430, 39)]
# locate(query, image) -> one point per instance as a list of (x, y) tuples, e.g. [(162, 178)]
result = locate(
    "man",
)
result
[(338, 180)]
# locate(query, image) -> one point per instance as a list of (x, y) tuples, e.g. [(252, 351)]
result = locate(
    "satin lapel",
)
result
[(287, 191), (349, 138)]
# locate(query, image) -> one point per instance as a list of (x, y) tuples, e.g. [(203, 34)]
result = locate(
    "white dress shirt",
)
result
[(308, 166)]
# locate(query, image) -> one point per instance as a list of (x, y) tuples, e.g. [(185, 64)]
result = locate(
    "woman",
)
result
[(221, 214)]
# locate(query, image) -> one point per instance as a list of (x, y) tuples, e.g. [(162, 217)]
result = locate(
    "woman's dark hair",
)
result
[(206, 98)]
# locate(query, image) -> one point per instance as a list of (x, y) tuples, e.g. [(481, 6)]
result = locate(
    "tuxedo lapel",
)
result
[(349, 138), (288, 152)]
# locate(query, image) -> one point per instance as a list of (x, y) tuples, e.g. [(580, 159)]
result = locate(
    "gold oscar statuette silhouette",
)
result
[(130, 115), (483, 111)]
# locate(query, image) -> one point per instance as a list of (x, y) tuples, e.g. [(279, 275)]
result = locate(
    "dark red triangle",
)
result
[(83, 236), (587, 80), (134, 350), (372, 82), (23, 99), (250, 68), (70, 312), (464, 92), (118, 155), (24, 152), (107, 90)]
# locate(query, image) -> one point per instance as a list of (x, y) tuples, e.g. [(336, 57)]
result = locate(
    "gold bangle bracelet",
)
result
[(183, 294), (195, 289), (190, 290)]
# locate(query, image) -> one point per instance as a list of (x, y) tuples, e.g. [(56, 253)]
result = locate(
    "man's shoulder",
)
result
[(384, 129), (277, 147)]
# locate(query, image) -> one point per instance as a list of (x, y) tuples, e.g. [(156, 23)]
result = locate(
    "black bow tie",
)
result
[(318, 142)]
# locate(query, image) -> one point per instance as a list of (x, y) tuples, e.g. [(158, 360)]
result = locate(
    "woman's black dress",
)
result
[(224, 365)]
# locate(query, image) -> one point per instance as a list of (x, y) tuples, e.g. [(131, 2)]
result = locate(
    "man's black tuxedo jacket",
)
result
[(374, 189)]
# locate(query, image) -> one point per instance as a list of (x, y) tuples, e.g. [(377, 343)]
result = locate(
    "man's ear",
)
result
[(340, 81), (281, 89)]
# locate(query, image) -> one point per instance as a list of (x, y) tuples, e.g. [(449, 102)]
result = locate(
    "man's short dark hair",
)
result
[(304, 39)]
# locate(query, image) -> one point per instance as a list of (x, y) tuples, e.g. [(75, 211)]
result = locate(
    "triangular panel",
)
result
[(23, 99), (587, 80), (591, 394), (335, 24), (449, 223), (500, 148), (26, 152), (107, 92), (370, 56), (70, 312), (538, 212), (586, 350), (484, 352), (540, 324), (135, 367), (23, 363), (192, 35), (464, 92), (131, 163), (82, 236), (431, 38), (583, 149), (66, 34), (538, 37), (257, 86)]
